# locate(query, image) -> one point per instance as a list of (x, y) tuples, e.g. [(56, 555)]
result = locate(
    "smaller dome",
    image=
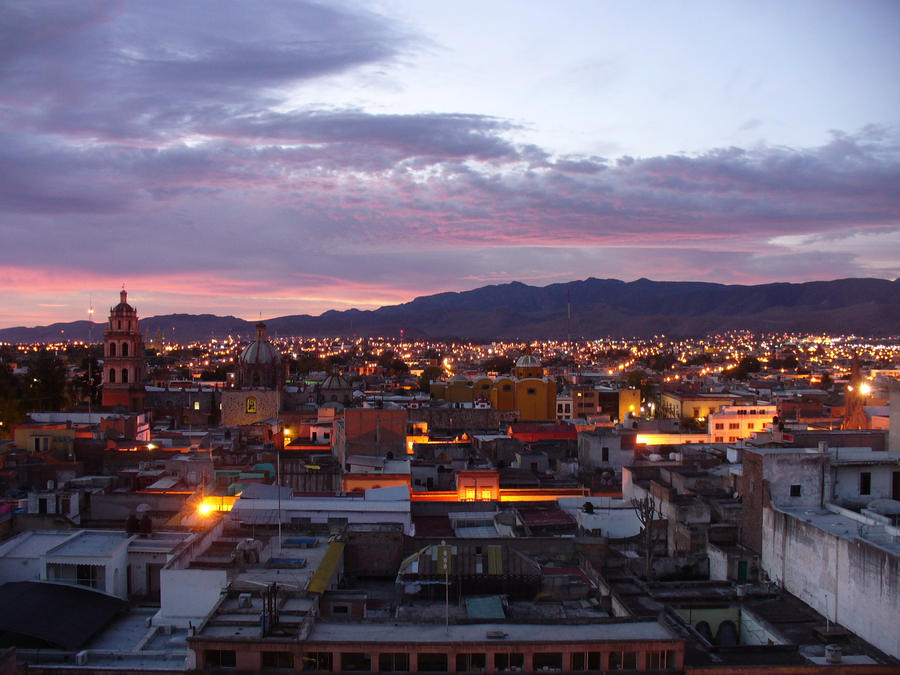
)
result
[(528, 361)]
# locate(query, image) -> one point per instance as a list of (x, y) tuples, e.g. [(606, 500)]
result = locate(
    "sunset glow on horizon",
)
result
[(219, 159)]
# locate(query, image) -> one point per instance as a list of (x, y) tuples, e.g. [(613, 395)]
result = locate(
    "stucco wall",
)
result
[(854, 583)]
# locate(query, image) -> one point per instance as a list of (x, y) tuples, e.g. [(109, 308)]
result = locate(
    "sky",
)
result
[(266, 159)]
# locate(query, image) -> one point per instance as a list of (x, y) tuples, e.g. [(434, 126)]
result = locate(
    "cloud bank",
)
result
[(184, 149)]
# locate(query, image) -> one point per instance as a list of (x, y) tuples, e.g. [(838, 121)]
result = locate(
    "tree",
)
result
[(429, 374), (647, 513), (47, 386)]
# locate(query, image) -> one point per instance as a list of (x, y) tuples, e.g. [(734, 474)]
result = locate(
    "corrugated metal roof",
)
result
[(325, 570)]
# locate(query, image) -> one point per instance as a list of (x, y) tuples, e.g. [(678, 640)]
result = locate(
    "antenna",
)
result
[(90, 346)]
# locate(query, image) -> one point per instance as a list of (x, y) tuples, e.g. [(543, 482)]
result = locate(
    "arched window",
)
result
[(112, 374), (124, 349), (119, 324), (112, 348), (124, 375)]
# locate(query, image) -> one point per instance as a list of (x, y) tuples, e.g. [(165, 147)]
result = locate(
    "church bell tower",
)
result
[(123, 358)]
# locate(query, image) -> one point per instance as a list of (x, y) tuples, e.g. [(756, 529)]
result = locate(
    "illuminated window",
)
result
[(486, 494), (470, 494), (251, 405), (196, 405)]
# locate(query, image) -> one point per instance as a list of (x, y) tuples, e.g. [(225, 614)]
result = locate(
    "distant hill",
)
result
[(600, 307)]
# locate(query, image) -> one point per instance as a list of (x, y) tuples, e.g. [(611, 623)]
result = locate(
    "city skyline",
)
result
[(223, 160)]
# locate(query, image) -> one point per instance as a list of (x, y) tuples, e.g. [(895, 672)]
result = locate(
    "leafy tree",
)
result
[(47, 385), (429, 374)]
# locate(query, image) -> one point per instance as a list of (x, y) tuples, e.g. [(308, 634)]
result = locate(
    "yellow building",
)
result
[(528, 391)]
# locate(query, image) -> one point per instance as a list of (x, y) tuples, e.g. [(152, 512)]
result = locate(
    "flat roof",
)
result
[(93, 544), (841, 526), (542, 633), (34, 544)]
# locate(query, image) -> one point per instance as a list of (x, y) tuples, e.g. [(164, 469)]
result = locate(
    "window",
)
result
[(734, 425), (196, 405), (124, 349), (470, 494), (507, 662), (696, 412), (432, 663), (355, 661), (277, 660), (220, 658), (661, 659), (531, 391), (340, 609), (622, 660), (317, 661), (751, 425), (865, 483), (393, 662), (720, 439), (578, 661), (471, 662), (112, 348), (594, 661), (124, 375), (720, 426), (486, 495), (795, 490), (547, 661), (112, 375), (604, 454)]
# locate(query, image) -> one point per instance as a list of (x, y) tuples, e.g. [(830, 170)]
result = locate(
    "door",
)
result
[(742, 570)]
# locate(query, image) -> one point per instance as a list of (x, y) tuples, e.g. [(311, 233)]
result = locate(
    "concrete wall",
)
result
[(234, 405), (189, 595), (854, 583), (718, 564), (845, 485)]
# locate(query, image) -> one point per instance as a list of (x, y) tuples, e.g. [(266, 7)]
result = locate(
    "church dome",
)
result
[(260, 362), (528, 361), (260, 353)]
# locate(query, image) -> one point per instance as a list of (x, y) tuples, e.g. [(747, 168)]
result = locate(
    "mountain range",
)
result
[(591, 308)]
